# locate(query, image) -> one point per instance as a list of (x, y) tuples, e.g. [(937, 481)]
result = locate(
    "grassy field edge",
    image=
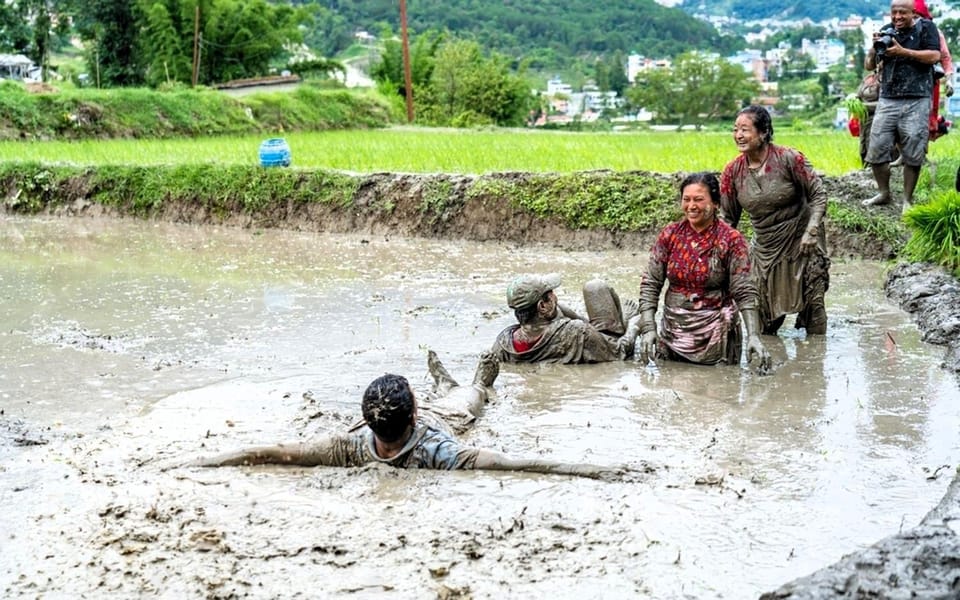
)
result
[(589, 209)]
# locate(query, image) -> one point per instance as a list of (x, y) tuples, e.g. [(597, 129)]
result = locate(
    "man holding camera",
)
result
[(906, 49)]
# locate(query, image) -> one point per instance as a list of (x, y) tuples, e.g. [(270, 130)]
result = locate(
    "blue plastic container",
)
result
[(275, 153)]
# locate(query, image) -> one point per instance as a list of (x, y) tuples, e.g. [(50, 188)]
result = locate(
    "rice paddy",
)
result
[(416, 150)]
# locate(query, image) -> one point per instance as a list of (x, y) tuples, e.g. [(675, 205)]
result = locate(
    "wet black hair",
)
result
[(388, 406), (706, 178), (761, 121)]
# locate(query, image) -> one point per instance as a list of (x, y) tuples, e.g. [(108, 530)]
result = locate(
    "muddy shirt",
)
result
[(709, 279), (566, 341), (903, 77), (706, 269), (432, 446), (781, 196)]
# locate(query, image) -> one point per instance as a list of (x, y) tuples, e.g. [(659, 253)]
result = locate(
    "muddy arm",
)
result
[(313, 454), (495, 461)]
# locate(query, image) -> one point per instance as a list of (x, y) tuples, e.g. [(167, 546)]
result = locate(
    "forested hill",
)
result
[(747, 10), (541, 29)]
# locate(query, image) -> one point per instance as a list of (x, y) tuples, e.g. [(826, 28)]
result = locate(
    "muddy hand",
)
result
[(648, 346), (755, 348)]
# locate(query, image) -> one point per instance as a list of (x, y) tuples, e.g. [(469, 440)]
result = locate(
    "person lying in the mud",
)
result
[(397, 431), (547, 331)]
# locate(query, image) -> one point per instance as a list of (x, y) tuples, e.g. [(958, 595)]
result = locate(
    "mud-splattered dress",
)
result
[(781, 197), (709, 281)]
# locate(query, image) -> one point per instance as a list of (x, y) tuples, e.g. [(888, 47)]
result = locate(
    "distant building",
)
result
[(637, 64), (853, 22), (362, 37), (17, 66), (563, 104), (557, 86), (824, 52)]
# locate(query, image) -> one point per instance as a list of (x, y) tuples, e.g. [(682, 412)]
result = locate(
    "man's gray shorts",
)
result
[(902, 120)]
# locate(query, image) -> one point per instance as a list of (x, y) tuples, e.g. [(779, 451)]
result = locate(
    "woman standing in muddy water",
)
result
[(707, 264), (786, 203)]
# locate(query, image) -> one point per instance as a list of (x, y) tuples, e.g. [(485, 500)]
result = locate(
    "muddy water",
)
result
[(127, 344)]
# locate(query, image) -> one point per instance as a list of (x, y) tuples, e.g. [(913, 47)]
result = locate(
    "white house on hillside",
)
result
[(17, 66), (557, 86)]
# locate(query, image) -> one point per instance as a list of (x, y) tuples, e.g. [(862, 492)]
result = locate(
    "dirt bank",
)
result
[(921, 562), (585, 210)]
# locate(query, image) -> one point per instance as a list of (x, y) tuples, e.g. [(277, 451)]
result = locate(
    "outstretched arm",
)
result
[(495, 461), (319, 453)]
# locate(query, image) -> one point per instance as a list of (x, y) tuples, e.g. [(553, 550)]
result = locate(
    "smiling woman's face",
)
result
[(745, 134), (697, 206)]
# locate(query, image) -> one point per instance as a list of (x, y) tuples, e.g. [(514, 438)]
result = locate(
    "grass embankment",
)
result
[(86, 114), (614, 201), (510, 207)]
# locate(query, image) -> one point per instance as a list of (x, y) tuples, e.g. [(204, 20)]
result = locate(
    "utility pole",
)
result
[(196, 46), (405, 44)]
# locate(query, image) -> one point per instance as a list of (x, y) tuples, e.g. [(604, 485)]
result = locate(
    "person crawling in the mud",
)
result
[(396, 430), (547, 331)]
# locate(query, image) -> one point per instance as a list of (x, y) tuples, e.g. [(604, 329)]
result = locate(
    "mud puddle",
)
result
[(126, 343)]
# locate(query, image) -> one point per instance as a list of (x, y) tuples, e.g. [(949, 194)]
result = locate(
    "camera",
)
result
[(880, 45)]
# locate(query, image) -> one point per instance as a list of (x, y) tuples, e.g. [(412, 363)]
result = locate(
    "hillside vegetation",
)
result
[(533, 28), (144, 113)]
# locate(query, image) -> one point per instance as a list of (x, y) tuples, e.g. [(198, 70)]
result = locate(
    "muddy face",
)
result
[(206, 340)]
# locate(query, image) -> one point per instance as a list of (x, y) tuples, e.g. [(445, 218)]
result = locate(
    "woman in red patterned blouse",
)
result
[(707, 266)]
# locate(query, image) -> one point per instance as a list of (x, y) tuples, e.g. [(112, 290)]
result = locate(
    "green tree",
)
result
[(27, 27), (164, 47), (325, 31), (388, 71), (111, 27), (695, 89), (242, 37), (797, 65), (152, 40), (15, 31), (610, 73), (951, 32), (468, 88)]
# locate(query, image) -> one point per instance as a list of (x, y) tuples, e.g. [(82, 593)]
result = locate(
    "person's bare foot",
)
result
[(488, 368), (878, 200), (442, 380)]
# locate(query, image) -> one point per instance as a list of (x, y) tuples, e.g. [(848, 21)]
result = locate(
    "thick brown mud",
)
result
[(127, 344)]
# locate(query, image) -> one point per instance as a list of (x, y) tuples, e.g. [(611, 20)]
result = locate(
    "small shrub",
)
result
[(936, 231)]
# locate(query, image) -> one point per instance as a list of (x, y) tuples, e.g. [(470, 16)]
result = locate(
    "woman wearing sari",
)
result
[(786, 202), (705, 262)]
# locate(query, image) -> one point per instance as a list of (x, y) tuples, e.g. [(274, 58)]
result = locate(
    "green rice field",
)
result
[(459, 151)]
